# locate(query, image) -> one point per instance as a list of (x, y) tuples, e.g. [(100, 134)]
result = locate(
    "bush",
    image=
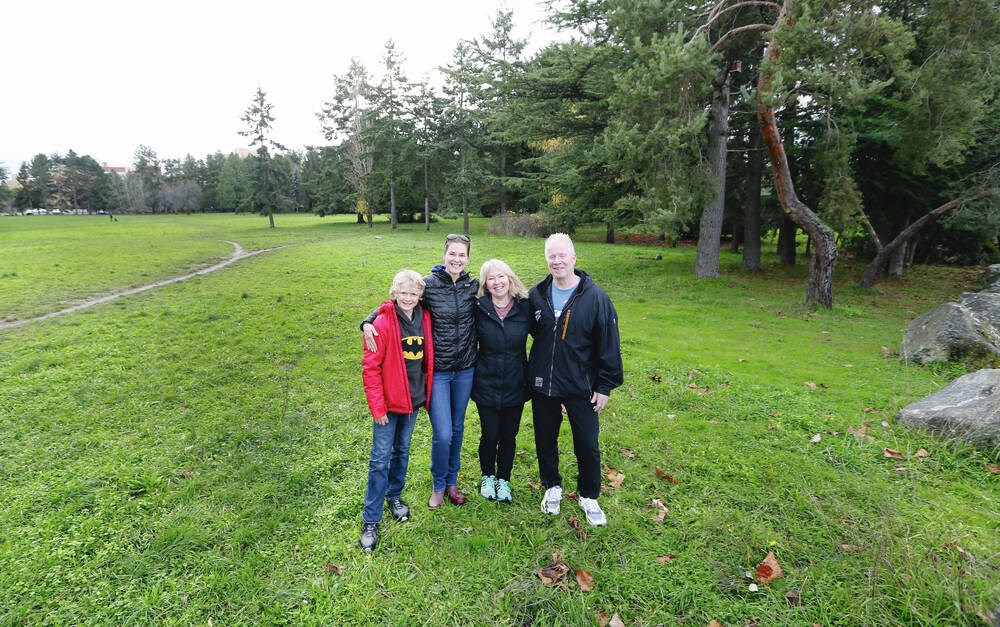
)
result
[(521, 224)]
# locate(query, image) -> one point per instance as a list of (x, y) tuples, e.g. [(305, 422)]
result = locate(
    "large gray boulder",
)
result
[(952, 332), (992, 278), (968, 409)]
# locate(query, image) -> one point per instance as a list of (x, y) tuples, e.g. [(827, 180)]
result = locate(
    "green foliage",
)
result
[(198, 453)]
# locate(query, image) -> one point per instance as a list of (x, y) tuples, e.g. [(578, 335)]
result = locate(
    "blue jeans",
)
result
[(449, 398), (387, 465)]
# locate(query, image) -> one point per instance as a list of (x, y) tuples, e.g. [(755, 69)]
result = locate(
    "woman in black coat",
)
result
[(500, 386)]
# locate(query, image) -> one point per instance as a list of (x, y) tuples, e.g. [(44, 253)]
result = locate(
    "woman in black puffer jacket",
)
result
[(500, 387)]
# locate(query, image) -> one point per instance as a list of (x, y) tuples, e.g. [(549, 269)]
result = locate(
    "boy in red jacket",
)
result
[(397, 377)]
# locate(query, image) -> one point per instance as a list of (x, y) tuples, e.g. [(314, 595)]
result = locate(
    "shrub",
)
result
[(521, 224)]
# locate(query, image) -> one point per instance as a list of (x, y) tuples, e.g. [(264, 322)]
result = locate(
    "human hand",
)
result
[(384, 420), (370, 335), (599, 401)]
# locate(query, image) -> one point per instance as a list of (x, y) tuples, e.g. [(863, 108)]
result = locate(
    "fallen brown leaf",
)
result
[(886, 351), (662, 474), (773, 427), (811, 385), (628, 453), (894, 454), (333, 569), (922, 453), (585, 580), (616, 622), (602, 619), (860, 434), (661, 510), (816, 438), (714, 622), (849, 548), (987, 617), (555, 573), (615, 478), (665, 559), (577, 526), (521, 453), (793, 598), (993, 468), (769, 569), (899, 468), (869, 410), (186, 474), (773, 414), (534, 484)]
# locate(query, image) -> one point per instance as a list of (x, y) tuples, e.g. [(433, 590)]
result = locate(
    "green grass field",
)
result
[(197, 453)]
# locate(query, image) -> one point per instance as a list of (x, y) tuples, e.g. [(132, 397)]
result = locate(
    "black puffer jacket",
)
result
[(579, 353), (502, 368), (453, 315)]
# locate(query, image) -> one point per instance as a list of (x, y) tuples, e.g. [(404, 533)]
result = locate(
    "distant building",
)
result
[(114, 169)]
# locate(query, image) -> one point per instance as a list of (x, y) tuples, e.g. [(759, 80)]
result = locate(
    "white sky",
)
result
[(104, 76)]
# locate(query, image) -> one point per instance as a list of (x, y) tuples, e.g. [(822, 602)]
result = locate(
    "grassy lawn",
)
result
[(197, 453)]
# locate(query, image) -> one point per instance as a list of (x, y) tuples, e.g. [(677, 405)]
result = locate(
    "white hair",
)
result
[(560, 238)]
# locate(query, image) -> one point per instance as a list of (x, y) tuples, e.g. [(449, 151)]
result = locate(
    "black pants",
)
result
[(547, 417), (498, 441)]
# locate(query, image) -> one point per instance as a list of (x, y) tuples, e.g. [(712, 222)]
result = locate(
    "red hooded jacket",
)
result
[(384, 371)]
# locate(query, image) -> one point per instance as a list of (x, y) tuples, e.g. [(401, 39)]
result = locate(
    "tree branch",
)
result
[(718, 11), (736, 31)]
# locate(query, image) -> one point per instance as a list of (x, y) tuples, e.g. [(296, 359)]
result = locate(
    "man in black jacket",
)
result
[(575, 362)]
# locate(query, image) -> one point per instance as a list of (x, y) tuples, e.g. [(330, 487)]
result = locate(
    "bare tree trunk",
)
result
[(609, 233), (393, 219), (427, 199), (706, 265), (786, 241), (819, 288), (874, 268), (751, 208), (503, 179), (465, 199)]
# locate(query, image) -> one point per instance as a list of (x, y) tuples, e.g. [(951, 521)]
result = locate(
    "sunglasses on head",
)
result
[(454, 236)]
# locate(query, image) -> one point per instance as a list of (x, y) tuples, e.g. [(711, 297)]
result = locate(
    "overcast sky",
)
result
[(103, 77)]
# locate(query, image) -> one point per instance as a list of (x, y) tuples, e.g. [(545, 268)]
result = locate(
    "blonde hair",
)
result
[(517, 289), (405, 278)]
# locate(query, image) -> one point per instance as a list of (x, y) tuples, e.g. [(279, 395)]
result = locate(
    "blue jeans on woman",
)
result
[(387, 465), (449, 398)]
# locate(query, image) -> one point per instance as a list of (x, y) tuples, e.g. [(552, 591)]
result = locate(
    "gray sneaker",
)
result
[(488, 487), (400, 510), (595, 515), (551, 500)]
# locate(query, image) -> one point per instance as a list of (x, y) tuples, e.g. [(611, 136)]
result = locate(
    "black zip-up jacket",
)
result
[(580, 352), (502, 367), (452, 305)]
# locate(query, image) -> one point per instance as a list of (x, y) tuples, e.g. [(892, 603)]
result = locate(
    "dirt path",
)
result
[(237, 254)]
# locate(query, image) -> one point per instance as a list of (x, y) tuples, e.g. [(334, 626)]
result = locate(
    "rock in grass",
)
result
[(967, 409), (992, 280), (952, 332)]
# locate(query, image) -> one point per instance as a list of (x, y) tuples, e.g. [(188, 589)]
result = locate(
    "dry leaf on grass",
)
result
[(993, 468), (894, 454), (577, 526), (615, 478), (769, 570), (186, 474), (665, 559), (534, 484), (714, 623), (555, 573), (616, 622), (585, 580), (793, 598), (333, 569), (922, 453), (661, 510), (861, 433), (662, 474), (816, 438), (627, 453), (810, 384)]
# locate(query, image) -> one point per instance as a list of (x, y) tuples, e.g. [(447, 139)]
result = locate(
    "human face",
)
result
[(561, 261), (498, 285), (407, 298), (456, 257)]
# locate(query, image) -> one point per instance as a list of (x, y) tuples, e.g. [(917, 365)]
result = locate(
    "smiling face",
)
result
[(561, 260), (498, 285), (407, 296), (456, 257)]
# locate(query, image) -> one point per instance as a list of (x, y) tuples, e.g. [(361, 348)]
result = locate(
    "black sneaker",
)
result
[(369, 536), (400, 510)]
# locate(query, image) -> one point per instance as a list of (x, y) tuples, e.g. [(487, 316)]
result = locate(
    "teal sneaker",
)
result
[(488, 487), (503, 491)]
